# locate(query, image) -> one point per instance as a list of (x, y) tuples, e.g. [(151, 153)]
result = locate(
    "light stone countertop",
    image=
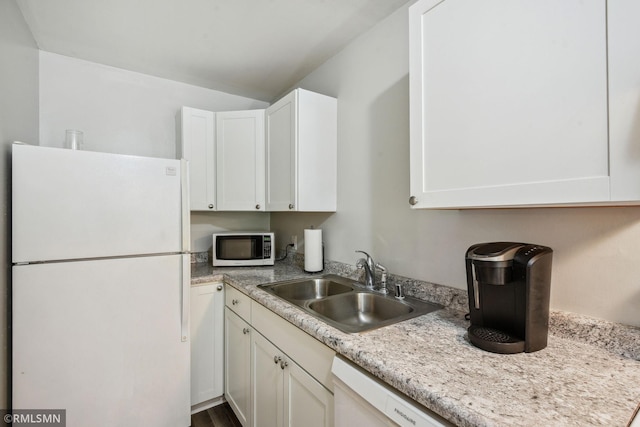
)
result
[(572, 382)]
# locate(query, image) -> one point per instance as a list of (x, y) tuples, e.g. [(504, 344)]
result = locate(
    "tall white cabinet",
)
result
[(301, 132), (207, 343), (240, 152), (515, 103)]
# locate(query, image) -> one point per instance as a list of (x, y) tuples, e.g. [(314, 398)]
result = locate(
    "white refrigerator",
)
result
[(100, 287)]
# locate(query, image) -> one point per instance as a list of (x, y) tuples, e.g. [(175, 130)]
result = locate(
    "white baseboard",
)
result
[(207, 404)]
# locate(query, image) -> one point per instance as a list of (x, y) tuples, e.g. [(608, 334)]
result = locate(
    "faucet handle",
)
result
[(383, 279)]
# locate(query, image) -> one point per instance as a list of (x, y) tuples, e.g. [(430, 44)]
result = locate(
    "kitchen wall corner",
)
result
[(595, 249)]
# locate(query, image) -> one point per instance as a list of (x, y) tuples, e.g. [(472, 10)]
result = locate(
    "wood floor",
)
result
[(218, 416)]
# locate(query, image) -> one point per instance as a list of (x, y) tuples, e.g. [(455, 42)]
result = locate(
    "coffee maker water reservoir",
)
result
[(509, 286)]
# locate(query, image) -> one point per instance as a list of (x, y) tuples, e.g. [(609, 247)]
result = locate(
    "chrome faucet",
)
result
[(370, 266)]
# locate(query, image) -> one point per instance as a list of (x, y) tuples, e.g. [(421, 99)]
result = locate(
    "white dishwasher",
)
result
[(361, 399)]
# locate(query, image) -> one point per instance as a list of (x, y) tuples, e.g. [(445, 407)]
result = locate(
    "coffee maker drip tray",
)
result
[(494, 340)]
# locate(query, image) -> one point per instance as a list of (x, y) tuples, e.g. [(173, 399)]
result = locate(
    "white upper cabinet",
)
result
[(196, 131), (624, 99), (301, 162), (240, 160), (226, 158), (509, 103)]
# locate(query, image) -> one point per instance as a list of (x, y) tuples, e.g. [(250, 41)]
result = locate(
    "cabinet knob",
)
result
[(210, 206), (276, 359), (283, 364), (235, 302), (413, 200), (257, 206), (246, 330), (219, 287), (291, 206)]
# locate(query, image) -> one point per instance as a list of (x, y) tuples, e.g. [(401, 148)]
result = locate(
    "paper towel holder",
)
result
[(322, 269), (313, 251)]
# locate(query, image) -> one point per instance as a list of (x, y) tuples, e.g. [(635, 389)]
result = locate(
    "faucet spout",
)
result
[(369, 266), (369, 276)]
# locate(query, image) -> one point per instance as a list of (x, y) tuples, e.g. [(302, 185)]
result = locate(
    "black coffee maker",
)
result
[(509, 286)]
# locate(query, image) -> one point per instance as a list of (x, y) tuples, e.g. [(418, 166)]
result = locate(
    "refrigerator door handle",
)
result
[(186, 210), (186, 287)]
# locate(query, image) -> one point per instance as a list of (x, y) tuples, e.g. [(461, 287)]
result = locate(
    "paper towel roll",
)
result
[(313, 256)]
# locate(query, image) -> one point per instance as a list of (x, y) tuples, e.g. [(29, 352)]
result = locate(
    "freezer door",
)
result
[(103, 340), (73, 204)]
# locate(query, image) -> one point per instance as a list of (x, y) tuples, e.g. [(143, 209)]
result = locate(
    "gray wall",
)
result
[(18, 121), (595, 249), (126, 112)]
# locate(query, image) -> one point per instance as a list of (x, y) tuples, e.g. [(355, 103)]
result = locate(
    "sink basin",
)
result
[(360, 308), (346, 304), (310, 289)]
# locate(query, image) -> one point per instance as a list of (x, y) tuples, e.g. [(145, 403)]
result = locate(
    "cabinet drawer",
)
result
[(313, 356), (238, 302)]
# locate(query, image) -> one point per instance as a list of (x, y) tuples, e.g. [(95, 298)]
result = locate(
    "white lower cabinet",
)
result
[(207, 340), (306, 402), (283, 393), (276, 375), (237, 334)]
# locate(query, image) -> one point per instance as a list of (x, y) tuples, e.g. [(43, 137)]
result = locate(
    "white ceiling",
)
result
[(253, 48)]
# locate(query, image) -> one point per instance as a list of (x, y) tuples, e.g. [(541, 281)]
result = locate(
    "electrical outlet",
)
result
[(294, 241)]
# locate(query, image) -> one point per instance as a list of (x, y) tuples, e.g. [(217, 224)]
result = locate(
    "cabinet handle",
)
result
[(235, 302), (283, 364), (219, 287), (258, 206), (210, 206), (291, 206), (276, 359), (413, 200), (245, 331)]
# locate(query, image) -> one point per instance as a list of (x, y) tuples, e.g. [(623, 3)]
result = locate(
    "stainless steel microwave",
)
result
[(243, 249)]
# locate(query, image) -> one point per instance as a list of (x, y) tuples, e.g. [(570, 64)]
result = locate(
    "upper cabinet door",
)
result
[(302, 153), (508, 103), (624, 98), (240, 160), (281, 133), (197, 145)]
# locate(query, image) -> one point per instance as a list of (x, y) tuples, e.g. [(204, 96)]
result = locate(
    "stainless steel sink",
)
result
[(309, 289), (346, 304)]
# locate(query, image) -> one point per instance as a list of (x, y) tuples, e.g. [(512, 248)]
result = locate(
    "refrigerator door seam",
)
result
[(53, 261)]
